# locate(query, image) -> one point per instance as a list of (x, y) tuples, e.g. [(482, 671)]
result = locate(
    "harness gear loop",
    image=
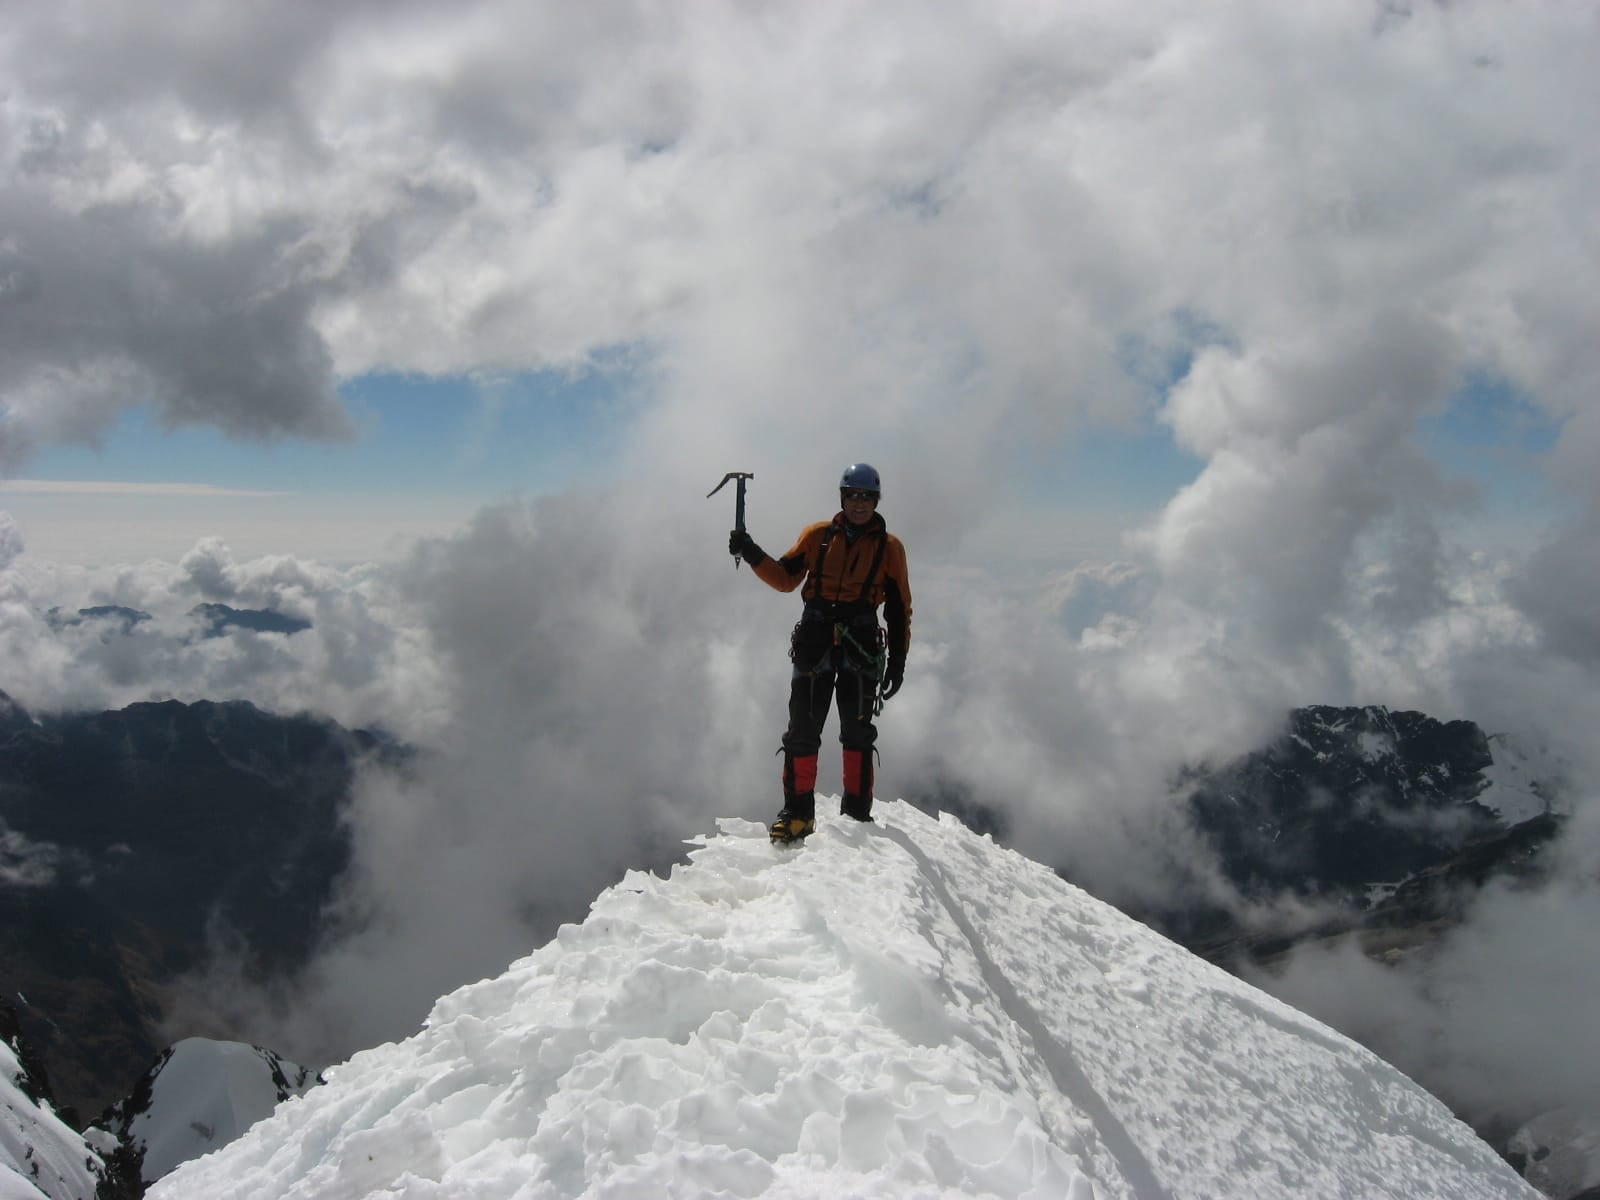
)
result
[(876, 662)]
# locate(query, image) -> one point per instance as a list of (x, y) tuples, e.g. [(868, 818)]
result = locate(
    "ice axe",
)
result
[(738, 510)]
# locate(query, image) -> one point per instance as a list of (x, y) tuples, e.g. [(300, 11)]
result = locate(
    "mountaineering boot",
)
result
[(799, 815), (790, 828), (857, 800)]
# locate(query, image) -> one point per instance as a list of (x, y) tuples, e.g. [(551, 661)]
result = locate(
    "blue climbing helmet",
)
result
[(860, 477)]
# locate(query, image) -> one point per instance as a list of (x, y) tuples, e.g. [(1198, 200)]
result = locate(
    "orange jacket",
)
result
[(833, 569)]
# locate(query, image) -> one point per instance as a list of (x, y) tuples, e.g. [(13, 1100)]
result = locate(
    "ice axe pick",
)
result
[(738, 510)]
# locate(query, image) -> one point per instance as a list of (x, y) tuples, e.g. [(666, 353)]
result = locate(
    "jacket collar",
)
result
[(874, 525)]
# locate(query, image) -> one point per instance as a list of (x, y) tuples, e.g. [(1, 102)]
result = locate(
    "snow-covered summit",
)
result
[(902, 1009), (201, 1094)]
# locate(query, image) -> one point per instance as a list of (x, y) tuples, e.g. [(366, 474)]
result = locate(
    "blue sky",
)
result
[(457, 437), (1490, 435), (426, 452), (429, 450), (1497, 437)]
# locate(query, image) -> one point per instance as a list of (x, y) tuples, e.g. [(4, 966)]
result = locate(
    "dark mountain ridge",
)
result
[(1344, 798), (127, 839)]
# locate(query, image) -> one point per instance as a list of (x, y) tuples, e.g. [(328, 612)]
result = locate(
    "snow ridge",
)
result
[(1067, 1076), (900, 1009)]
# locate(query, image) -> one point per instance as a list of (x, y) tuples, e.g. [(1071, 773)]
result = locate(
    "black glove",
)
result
[(894, 676), (742, 545)]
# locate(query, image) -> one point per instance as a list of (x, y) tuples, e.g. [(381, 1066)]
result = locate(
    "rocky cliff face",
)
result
[(1352, 819), (127, 838), (1344, 799)]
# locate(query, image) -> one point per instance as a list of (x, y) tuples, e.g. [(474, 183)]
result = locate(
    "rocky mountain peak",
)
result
[(1345, 798)]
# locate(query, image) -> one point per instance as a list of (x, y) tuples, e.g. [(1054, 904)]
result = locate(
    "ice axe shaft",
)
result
[(738, 504)]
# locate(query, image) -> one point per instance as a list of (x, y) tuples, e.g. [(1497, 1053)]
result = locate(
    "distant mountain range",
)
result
[(1378, 815), (1345, 798), (215, 620)]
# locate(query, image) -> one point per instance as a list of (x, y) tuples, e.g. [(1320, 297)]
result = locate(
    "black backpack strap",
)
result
[(877, 562), (814, 584)]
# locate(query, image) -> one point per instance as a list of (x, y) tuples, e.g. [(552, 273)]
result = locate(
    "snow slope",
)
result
[(202, 1095), (1520, 784), (896, 1010), (40, 1155)]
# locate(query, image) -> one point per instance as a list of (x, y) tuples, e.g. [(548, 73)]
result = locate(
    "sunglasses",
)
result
[(855, 494)]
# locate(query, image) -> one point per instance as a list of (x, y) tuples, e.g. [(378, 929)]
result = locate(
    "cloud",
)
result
[(208, 567), (122, 311), (366, 661), (1468, 1018), (1089, 595), (1557, 589), (1306, 452), (25, 863), (11, 544), (962, 219)]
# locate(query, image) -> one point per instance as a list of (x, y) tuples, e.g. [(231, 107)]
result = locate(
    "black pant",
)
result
[(812, 693), (833, 664)]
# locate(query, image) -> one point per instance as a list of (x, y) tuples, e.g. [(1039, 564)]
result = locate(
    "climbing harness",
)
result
[(876, 661)]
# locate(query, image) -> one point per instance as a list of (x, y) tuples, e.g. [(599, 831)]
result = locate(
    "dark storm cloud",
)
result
[(116, 313)]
